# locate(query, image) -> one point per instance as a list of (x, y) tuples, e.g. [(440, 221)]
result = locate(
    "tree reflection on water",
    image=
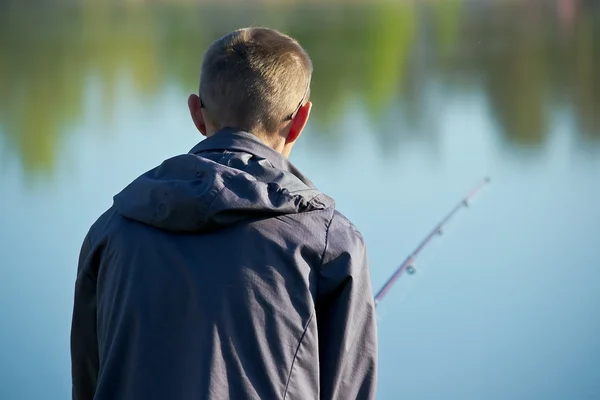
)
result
[(530, 59)]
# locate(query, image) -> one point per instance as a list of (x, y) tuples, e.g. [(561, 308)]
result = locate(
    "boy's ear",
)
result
[(299, 122), (195, 106)]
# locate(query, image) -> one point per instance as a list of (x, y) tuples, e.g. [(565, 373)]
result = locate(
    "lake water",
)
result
[(413, 104)]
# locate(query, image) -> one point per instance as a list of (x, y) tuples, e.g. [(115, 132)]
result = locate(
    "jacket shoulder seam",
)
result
[(327, 238)]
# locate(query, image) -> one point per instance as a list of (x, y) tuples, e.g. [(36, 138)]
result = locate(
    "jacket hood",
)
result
[(227, 178)]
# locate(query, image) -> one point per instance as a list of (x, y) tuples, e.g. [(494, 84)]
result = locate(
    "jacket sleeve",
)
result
[(346, 316), (84, 343)]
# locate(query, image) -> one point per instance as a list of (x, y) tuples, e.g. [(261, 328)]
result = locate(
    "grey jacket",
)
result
[(223, 274)]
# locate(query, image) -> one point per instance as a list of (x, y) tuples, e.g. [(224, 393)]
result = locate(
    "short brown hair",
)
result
[(254, 79)]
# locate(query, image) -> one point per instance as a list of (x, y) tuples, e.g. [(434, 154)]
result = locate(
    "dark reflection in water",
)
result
[(531, 59)]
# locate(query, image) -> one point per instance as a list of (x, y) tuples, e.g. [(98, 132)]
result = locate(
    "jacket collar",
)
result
[(237, 140)]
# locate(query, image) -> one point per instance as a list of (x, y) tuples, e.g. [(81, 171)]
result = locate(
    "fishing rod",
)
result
[(407, 265)]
